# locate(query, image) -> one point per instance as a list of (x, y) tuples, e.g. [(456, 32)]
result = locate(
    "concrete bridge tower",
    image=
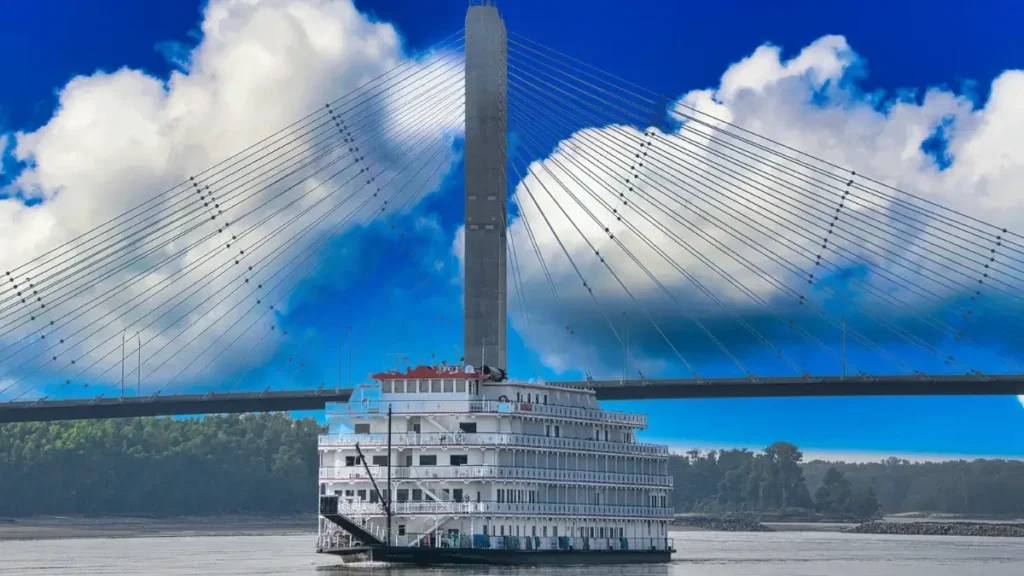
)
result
[(485, 303)]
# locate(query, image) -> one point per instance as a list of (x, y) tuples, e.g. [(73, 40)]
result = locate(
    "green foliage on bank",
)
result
[(216, 465), (777, 480), (267, 464)]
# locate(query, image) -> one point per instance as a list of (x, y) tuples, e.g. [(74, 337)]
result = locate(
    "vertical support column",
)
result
[(485, 301)]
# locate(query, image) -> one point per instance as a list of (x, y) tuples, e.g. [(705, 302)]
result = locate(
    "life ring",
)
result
[(502, 398)]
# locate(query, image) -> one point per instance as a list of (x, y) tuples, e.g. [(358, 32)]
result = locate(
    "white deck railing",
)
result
[(357, 509), (494, 439), (495, 473), (492, 407)]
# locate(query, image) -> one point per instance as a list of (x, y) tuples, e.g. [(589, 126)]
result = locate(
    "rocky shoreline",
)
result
[(941, 529)]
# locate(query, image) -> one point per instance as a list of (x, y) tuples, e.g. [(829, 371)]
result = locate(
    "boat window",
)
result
[(449, 385), (428, 460), (417, 494), (401, 529), (380, 460), (400, 386), (457, 494), (460, 385), (362, 428), (545, 399), (469, 427), (385, 386), (435, 386), (424, 386), (373, 496), (459, 459), (403, 494), (361, 495)]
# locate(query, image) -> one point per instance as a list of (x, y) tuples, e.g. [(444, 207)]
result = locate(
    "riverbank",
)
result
[(56, 528), (988, 529)]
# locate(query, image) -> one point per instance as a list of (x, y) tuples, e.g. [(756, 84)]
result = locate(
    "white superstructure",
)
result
[(481, 463)]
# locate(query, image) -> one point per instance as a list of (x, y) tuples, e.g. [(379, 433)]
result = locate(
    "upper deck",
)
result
[(428, 390)]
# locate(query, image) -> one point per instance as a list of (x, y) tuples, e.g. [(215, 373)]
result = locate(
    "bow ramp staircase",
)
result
[(365, 532)]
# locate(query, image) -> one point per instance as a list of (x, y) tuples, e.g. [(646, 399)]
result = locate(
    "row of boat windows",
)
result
[(404, 494), (459, 495), (430, 386), (552, 430), (448, 386), (467, 427), (584, 531), (424, 460)]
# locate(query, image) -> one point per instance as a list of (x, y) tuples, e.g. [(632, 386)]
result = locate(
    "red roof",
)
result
[(422, 372)]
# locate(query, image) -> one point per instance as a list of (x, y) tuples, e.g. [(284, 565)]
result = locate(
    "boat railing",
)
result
[(526, 543), (493, 439), (363, 508), (496, 472), (489, 406)]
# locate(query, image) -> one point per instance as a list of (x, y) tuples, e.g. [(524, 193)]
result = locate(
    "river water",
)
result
[(700, 553)]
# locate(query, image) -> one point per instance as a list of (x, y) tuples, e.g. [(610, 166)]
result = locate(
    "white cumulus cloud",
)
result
[(741, 221), (117, 139)]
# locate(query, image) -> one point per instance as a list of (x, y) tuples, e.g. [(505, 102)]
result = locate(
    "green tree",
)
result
[(833, 496), (264, 463)]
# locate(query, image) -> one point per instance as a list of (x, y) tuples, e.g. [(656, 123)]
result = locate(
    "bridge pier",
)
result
[(485, 300)]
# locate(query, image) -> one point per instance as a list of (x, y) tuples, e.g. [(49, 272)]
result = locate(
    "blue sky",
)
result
[(670, 47)]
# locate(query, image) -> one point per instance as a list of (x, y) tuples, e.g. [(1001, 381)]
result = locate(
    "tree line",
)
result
[(268, 464), (777, 480), (216, 465)]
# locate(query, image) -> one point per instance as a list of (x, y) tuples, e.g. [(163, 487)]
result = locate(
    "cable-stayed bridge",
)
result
[(757, 269)]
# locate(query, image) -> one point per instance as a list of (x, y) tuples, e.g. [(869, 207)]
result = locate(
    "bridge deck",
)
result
[(237, 403)]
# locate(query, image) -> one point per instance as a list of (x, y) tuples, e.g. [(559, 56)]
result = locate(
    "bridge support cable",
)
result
[(532, 122), (418, 106), (388, 203), (532, 125), (905, 200), (325, 238), (986, 256), (726, 226), (291, 242), (365, 118), (976, 268), (57, 266), (576, 104), (517, 283), (947, 359), (570, 332), (572, 262), (517, 275), (421, 104), (584, 136), (603, 261), (264, 263)]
